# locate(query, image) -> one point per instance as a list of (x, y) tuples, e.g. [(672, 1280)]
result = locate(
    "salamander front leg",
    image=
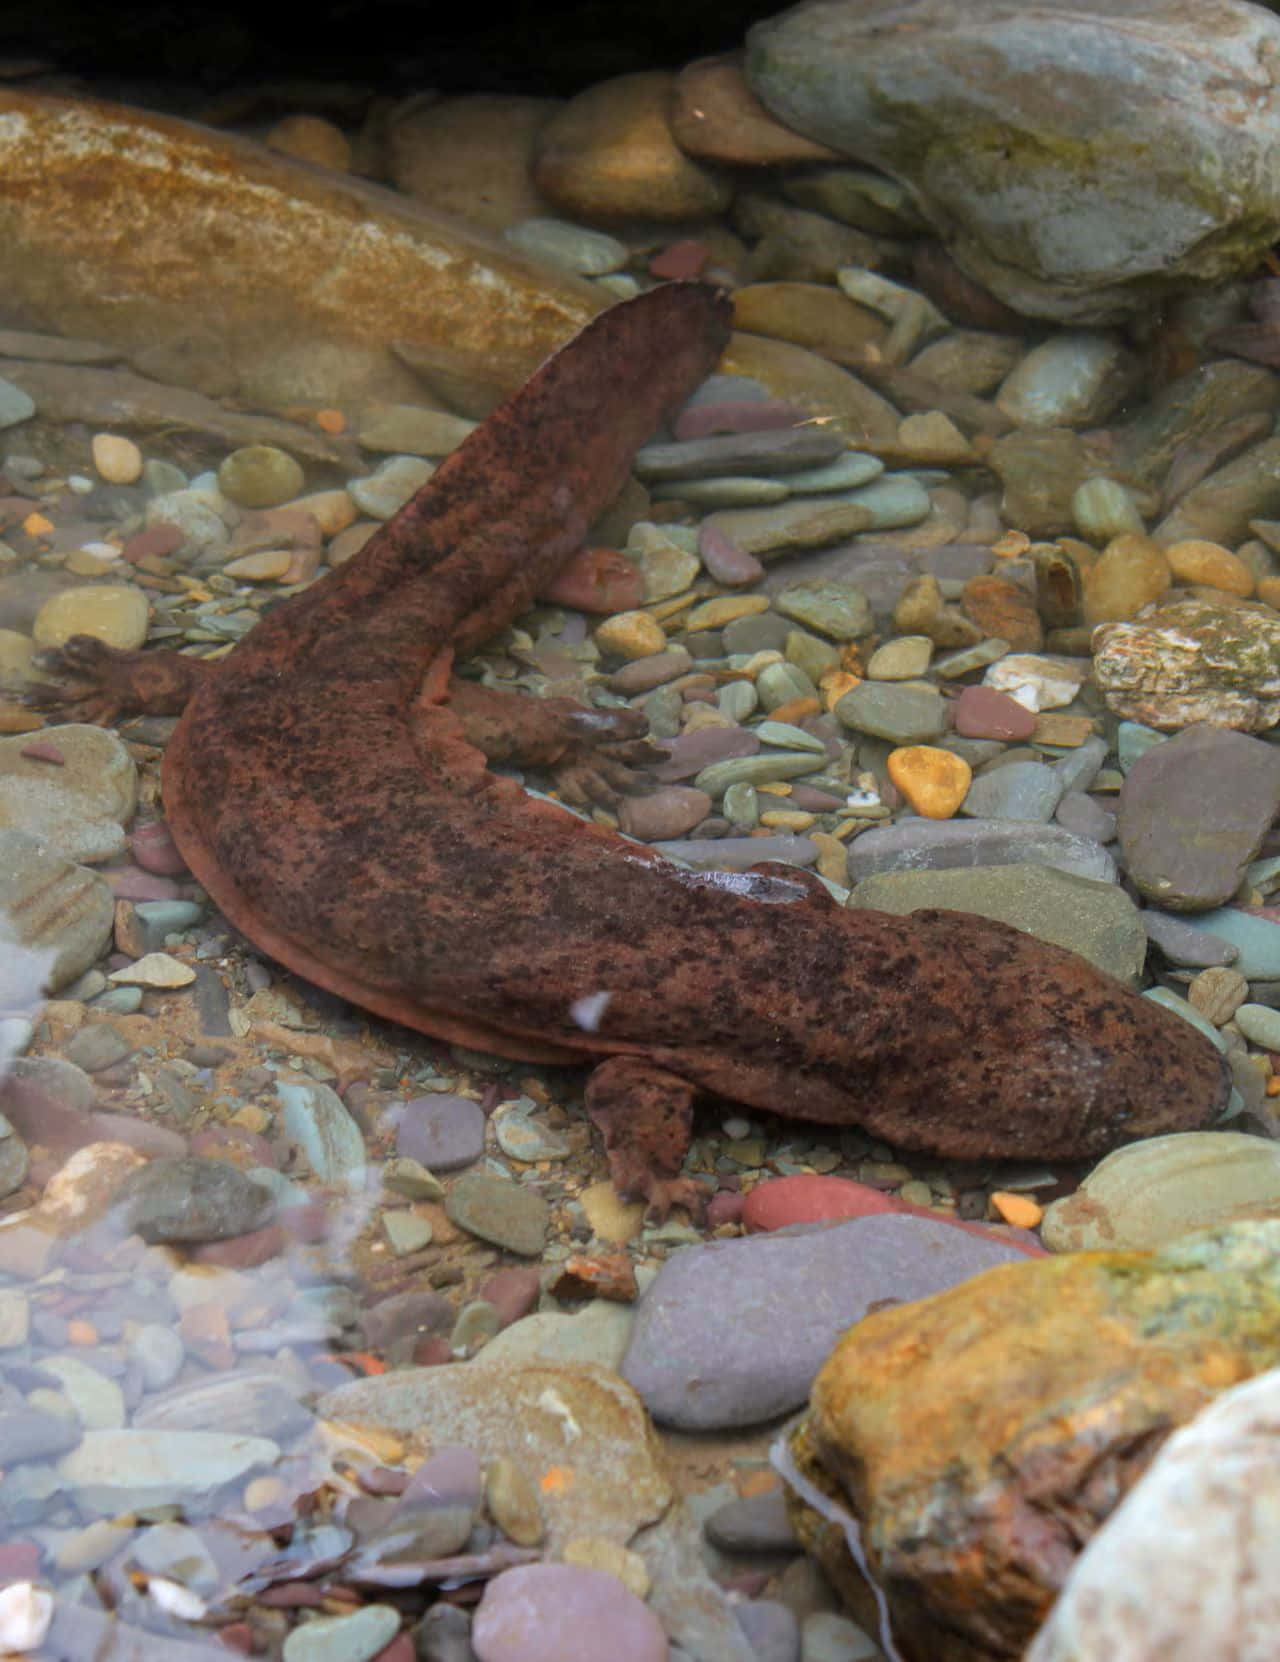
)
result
[(593, 755), (99, 683), (645, 1116)]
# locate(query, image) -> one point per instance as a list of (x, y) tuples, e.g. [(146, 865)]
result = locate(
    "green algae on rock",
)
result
[(1080, 194), (1185, 661)]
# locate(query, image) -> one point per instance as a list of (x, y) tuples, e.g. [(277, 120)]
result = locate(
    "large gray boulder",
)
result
[(1080, 159)]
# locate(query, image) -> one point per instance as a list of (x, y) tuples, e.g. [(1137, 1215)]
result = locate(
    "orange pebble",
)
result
[(1273, 1084), (933, 781), (1017, 1209), (835, 683), (796, 709), (81, 1333), (556, 1480), (331, 421), (36, 525)]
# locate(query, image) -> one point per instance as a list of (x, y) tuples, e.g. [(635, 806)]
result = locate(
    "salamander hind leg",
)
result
[(99, 683), (645, 1117)]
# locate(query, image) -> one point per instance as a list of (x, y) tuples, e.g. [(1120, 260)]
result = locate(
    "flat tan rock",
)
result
[(472, 156), (1152, 1192), (978, 1438), (230, 239), (73, 788), (581, 1419)]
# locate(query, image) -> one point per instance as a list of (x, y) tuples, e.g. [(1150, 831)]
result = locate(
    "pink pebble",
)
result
[(725, 1207), (599, 580), (724, 560), (681, 260), (513, 1292), (40, 750), (132, 883), (811, 1199), (815, 1199), (745, 415), (401, 1648), (155, 542), (984, 713), (242, 1252), (154, 849)]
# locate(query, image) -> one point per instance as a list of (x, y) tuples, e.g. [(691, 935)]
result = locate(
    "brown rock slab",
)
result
[(979, 1437), (1004, 609), (1193, 812), (226, 240)]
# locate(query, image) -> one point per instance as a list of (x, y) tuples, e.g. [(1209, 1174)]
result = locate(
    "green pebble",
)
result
[(1260, 1024), (260, 476), (752, 770)]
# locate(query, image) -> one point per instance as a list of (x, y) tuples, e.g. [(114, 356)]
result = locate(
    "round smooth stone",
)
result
[(260, 476), (902, 659), (631, 635), (117, 459), (933, 781), (1260, 1024)]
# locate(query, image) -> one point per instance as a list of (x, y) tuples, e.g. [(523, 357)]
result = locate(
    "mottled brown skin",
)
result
[(332, 796)]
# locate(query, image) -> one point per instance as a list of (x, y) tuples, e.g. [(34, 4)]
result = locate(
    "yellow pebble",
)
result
[(725, 608), (1019, 1210), (333, 511), (787, 819), (933, 781), (1208, 562), (631, 635), (265, 566), (118, 460)]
